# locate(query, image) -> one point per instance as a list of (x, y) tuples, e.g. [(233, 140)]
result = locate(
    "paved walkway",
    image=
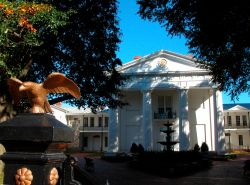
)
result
[(221, 173)]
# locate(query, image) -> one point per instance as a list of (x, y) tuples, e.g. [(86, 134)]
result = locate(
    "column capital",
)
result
[(182, 89), (146, 91)]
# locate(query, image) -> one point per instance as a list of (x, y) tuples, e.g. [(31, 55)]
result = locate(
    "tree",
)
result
[(204, 147), (21, 31), (78, 38), (217, 35)]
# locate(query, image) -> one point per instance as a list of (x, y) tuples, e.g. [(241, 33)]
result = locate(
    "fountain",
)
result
[(168, 144)]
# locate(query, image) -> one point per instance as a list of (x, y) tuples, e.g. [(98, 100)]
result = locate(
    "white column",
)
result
[(219, 136), (147, 121), (113, 142), (184, 132), (211, 134)]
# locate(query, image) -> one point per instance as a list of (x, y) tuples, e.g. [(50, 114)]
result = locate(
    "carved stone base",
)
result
[(34, 146)]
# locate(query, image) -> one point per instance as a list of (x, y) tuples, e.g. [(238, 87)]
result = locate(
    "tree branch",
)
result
[(26, 68), (60, 99)]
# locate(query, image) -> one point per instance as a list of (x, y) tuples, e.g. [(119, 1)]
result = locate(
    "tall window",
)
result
[(106, 121), (92, 121), (85, 122), (106, 142), (240, 140), (99, 121), (85, 141), (237, 120), (244, 120), (164, 104), (229, 121)]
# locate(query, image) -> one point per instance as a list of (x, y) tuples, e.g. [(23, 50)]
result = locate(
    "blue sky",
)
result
[(140, 37)]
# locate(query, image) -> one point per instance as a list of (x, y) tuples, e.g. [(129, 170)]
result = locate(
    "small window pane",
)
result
[(237, 120), (106, 121), (100, 121), (85, 122), (92, 121), (229, 120), (244, 120)]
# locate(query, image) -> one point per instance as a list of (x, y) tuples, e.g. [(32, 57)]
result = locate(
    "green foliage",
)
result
[(22, 26), (217, 35), (89, 42), (230, 156), (81, 43)]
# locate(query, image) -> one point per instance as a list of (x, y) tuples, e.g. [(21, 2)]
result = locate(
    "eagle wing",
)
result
[(14, 85), (58, 83)]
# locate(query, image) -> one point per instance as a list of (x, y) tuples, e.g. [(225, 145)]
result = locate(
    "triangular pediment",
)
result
[(160, 62), (238, 107)]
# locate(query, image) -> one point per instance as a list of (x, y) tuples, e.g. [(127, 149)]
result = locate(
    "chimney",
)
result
[(190, 55), (58, 104), (137, 57)]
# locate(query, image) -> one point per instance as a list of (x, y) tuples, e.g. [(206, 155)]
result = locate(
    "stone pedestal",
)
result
[(34, 146)]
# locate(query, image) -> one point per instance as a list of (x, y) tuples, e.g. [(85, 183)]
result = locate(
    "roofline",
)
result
[(240, 110), (72, 113), (59, 108), (232, 105), (154, 55), (169, 73)]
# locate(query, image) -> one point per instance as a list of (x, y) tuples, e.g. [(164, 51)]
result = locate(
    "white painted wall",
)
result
[(235, 130), (130, 129), (59, 115)]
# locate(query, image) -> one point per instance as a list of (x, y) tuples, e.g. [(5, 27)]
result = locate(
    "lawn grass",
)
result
[(240, 152), (1, 172), (1, 177)]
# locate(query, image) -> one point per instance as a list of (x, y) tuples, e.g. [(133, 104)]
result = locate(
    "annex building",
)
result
[(90, 129), (167, 87), (237, 126)]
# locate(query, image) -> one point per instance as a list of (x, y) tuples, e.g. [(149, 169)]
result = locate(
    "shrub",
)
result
[(134, 148), (169, 163), (140, 149), (204, 147), (196, 148)]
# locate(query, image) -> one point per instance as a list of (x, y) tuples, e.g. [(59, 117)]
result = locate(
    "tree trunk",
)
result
[(6, 109)]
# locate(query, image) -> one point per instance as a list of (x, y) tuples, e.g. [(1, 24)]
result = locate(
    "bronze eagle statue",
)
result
[(37, 92)]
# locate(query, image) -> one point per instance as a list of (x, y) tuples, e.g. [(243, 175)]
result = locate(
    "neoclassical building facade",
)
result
[(90, 129), (237, 126), (166, 87)]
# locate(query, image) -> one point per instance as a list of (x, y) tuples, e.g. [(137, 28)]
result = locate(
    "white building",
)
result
[(91, 130), (162, 87), (60, 113), (237, 126)]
